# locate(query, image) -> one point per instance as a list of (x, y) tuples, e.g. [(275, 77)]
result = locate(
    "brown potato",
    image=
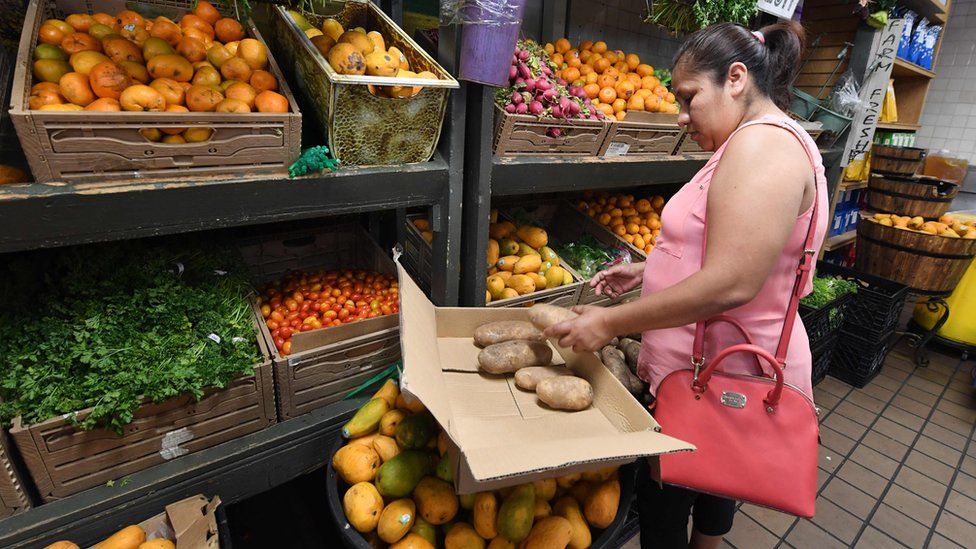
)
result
[(543, 315), (506, 330), (511, 356), (565, 393), (613, 359), (528, 378)]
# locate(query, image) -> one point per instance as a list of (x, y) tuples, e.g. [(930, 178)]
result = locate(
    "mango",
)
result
[(398, 477), (463, 536), (569, 509), (386, 448), (390, 420), (516, 514), (555, 276), (539, 280), (549, 255), (533, 236), (396, 520), (545, 489), (413, 540), (362, 505), (600, 507), (495, 286), (388, 392), (493, 252), (366, 419), (521, 283), (542, 509), (528, 264), (507, 263), (500, 230), (507, 246), (467, 501), (548, 533), (509, 293), (485, 514), (567, 278), (356, 463), (415, 430), (525, 249), (435, 499), (425, 530), (444, 469)]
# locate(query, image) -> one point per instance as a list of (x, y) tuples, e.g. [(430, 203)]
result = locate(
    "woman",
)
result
[(758, 189)]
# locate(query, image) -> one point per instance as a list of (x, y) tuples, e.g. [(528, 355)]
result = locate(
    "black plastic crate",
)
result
[(631, 526), (823, 354), (875, 309), (856, 359), (823, 323)]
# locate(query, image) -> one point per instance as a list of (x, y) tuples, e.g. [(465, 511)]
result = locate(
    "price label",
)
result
[(617, 149), (780, 8)]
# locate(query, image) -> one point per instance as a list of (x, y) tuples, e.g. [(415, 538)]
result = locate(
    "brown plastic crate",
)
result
[(13, 498), (364, 129), (418, 256), (644, 135), (564, 224), (63, 459), (324, 364), (96, 146), (521, 134), (686, 146)]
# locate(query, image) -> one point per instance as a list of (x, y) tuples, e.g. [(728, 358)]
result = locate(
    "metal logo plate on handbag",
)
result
[(733, 400)]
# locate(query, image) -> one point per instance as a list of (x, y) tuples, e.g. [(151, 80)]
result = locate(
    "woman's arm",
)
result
[(755, 195)]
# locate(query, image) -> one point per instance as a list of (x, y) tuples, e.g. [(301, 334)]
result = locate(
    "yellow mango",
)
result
[(507, 263), (528, 264), (539, 280), (521, 283), (356, 463), (600, 507), (533, 236), (396, 520), (496, 284), (493, 252), (485, 514), (362, 505)]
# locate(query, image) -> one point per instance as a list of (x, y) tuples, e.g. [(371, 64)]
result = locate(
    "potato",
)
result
[(613, 359), (511, 356), (529, 378), (631, 349), (565, 393), (543, 316), (506, 330)]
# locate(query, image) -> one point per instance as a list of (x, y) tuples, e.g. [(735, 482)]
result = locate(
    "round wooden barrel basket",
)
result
[(886, 159), (927, 197), (927, 263)]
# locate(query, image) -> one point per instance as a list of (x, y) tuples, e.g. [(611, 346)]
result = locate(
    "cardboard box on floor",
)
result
[(503, 435), (191, 523)]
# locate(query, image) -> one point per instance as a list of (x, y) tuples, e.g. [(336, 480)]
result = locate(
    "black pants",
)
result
[(664, 513)]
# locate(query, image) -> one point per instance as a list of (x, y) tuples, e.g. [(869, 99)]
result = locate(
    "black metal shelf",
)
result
[(235, 470), (46, 215), (540, 174)]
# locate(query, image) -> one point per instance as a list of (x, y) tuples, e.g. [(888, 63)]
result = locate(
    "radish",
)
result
[(522, 108), (512, 72), (510, 108), (557, 112), (530, 85), (523, 55), (536, 108)]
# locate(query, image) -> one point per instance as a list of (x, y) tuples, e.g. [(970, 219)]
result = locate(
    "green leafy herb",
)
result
[(589, 256), (827, 289), (102, 326)]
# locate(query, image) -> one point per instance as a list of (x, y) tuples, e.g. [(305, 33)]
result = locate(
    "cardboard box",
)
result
[(502, 435), (191, 523)]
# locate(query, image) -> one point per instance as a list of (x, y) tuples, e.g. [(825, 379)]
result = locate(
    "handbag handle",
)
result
[(742, 330), (803, 272), (700, 382)]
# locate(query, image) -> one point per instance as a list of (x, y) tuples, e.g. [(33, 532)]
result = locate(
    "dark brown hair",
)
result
[(772, 64)]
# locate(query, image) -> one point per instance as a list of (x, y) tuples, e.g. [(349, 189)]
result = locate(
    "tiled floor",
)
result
[(897, 464)]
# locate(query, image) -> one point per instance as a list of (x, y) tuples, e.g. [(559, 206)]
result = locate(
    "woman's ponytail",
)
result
[(785, 42)]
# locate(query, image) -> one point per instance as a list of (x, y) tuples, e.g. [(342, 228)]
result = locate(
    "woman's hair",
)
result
[(772, 61)]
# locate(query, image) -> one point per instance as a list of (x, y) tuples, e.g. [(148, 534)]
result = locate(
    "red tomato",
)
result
[(286, 348)]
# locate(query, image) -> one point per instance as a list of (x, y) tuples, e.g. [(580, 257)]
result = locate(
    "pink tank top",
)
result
[(678, 254)]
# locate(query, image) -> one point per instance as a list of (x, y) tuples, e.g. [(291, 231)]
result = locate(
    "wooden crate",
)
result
[(13, 498), (64, 460), (686, 146), (644, 135), (96, 146), (362, 128), (565, 224), (521, 134), (324, 364)]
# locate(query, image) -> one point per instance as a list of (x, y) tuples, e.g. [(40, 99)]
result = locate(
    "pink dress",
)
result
[(678, 254)]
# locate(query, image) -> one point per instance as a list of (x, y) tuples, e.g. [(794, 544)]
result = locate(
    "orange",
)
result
[(604, 219), (611, 57), (573, 59), (549, 48), (591, 77), (642, 93), (672, 108), (643, 205), (607, 80), (562, 45), (606, 109), (651, 103), (599, 47), (669, 97), (662, 106), (644, 70), (624, 89), (622, 67), (264, 80), (644, 231), (619, 104), (558, 59), (616, 212), (660, 91), (634, 79), (585, 69), (649, 83), (570, 74), (629, 238), (592, 90), (635, 103), (632, 61), (601, 65), (269, 101), (620, 115), (585, 56), (607, 95), (228, 30), (586, 45), (620, 230)]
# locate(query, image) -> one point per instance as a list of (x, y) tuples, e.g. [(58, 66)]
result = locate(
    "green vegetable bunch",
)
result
[(588, 256), (827, 289), (102, 326), (681, 16)]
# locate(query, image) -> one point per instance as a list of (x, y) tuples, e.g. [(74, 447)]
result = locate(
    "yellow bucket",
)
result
[(961, 325)]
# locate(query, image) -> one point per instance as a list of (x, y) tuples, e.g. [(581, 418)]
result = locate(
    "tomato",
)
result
[(336, 292), (295, 322), (316, 306), (272, 324), (313, 295), (329, 315), (316, 324), (306, 328), (343, 314), (285, 332), (306, 305), (275, 302), (308, 320), (286, 348), (279, 342), (298, 297), (265, 310), (277, 316), (386, 309)]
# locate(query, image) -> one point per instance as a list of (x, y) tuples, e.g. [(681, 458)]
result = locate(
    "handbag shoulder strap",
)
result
[(803, 272)]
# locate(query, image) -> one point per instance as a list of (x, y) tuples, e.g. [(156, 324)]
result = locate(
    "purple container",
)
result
[(491, 29)]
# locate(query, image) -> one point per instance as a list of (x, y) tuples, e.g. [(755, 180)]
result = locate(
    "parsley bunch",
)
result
[(101, 326)]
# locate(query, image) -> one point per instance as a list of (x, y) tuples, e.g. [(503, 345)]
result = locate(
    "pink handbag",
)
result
[(756, 436)]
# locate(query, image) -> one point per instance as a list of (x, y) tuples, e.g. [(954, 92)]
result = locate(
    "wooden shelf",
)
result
[(840, 240), (904, 68), (852, 185), (899, 126), (933, 10)]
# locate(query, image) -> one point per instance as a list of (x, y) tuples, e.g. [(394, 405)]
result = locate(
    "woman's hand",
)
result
[(589, 332), (618, 279)]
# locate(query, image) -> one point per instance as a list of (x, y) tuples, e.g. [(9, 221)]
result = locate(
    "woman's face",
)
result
[(706, 108)]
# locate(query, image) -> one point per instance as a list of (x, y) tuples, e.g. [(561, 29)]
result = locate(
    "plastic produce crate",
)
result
[(364, 129), (876, 307), (825, 322), (64, 460), (686, 145), (822, 356), (643, 135), (325, 364), (418, 255), (522, 134), (95, 146), (857, 360), (13, 497)]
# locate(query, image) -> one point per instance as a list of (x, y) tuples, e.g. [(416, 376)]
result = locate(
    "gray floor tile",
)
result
[(899, 526), (850, 498), (922, 485), (941, 452), (956, 529), (912, 505), (806, 535), (945, 436)]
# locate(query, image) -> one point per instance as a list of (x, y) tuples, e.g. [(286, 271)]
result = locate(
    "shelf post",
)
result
[(477, 194)]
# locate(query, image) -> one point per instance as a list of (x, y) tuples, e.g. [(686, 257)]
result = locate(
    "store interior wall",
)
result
[(949, 116)]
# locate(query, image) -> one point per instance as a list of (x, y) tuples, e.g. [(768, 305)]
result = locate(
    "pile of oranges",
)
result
[(616, 82), (126, 62), (636, 220)]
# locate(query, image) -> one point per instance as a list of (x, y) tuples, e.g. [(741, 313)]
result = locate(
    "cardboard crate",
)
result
[(643, 135), (522, 134), (63, 459), (189, 522), (503, 436), (564, 224), (13, 497), (97, 146), (324, 364), (362, 128)]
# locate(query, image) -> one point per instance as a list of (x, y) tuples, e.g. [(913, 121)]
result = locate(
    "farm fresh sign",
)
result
[(880, 62), (780, 8)]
